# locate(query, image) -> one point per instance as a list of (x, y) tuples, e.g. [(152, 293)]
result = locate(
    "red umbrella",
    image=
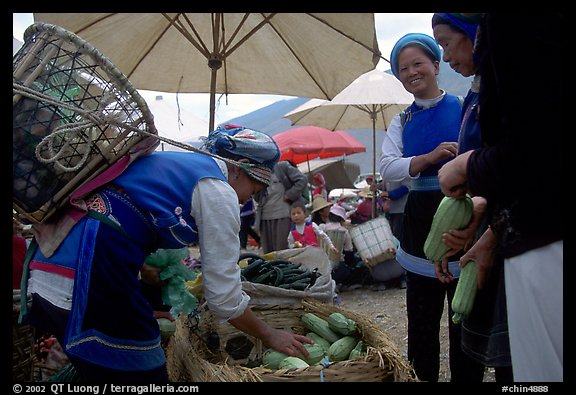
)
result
[(310, 142)]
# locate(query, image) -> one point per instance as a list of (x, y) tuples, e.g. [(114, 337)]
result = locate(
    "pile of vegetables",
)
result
[(277, 272), (335, 339)]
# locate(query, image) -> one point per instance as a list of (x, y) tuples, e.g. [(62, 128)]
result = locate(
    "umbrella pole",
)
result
[(374, 180), (212, 98), (214, 62)]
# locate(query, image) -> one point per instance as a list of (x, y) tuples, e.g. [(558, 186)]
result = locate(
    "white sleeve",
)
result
[(348, 245), (320, 233), (217, 215), (290, 239), (393, 167)]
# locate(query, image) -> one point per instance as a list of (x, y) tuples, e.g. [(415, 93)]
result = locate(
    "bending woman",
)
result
[(87, 292)]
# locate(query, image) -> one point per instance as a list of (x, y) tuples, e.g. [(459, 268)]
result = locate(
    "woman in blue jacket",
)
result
[(417, 143), (88, 293)]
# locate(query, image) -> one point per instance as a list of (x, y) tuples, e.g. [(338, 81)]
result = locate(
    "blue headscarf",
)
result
[(459, 22), (237, 142), (468, 26), (425, 41)]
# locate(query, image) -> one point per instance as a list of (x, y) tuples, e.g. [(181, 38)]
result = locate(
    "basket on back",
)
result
[(74, 115)]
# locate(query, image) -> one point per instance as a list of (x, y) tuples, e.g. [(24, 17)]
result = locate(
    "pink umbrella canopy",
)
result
[(310, 142)]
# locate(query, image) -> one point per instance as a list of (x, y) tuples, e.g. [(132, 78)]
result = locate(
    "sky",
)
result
[(389, 28)]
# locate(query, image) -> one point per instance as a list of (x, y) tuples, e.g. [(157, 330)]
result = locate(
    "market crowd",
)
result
[(86, 283)]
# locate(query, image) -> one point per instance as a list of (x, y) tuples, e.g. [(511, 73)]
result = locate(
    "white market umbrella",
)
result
[(298, 54), (370, 101)]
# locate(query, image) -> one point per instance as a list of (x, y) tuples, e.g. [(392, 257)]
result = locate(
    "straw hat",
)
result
[(366, 192), (319, 203)]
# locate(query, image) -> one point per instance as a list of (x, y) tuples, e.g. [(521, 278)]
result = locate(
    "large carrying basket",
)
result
[(374, 241), (74, 115), (193, 355)]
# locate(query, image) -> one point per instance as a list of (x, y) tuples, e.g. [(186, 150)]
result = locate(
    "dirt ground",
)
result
[(387, 309)]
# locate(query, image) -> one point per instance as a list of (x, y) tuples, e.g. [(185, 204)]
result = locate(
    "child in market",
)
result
[(342, 262), (305, 233)]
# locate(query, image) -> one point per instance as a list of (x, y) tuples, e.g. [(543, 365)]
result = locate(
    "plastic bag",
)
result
[(174, 275)]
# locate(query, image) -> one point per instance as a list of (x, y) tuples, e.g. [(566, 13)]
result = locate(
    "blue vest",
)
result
[(470, 137), (161, 185), (424, 129)]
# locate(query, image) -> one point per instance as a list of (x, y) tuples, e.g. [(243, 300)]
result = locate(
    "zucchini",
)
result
[(320, 327), (463, 299), (341, 348), (450, 214)]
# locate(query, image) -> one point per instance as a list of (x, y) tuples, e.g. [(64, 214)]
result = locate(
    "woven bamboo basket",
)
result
[(374, 241), (192, 356), (23, 356), (74, 115)]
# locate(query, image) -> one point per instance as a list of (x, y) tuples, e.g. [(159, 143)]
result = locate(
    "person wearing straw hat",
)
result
[(88, 293), (363, 212), (417, 143), (320, 210)]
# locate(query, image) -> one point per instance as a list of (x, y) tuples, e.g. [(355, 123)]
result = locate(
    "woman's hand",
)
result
[(482, 252), (150, 275), (452, 176), (288, 343), (278, 339), (462, 239), (443, 274), (162, 314), (445, 150)]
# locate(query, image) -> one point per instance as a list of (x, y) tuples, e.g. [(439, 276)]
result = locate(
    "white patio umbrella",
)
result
[(298, 54), (370, 101)]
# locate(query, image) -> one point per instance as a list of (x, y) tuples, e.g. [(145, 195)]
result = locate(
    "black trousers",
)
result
[(246, 229), (425, 300)]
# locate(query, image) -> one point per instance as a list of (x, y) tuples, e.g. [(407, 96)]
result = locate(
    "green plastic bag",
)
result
[(174, 275)]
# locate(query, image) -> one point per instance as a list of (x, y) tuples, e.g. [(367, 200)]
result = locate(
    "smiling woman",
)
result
[(428, 129)]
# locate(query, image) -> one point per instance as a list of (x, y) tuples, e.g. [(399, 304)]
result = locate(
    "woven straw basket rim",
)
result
[(188, 358)]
